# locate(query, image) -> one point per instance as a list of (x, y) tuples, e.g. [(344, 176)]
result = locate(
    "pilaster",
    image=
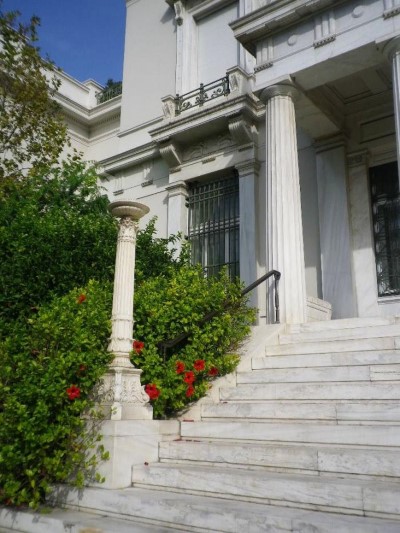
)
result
[(392, 51), (283, 205), (248, 174), (177, 209), (361, 231), (334, 224)]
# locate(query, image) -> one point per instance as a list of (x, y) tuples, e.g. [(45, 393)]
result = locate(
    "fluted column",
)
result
[(284, 230), (121, 391), (392, 51)]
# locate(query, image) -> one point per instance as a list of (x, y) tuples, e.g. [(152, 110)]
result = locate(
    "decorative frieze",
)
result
[(324, 28), (391, 8), (265, 54), (208, 146), (356, 159)]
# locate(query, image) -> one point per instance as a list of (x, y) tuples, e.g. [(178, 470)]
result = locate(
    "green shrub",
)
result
[(56, 234), (48, 370), (166, 307)]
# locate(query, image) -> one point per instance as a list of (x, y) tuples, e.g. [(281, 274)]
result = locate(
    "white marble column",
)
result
[(392, 51), (283, 205), (248, 173), (334, 227), (121, 391)]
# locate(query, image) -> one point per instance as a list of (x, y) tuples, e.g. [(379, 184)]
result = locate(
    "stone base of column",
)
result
[(130, 443), (122, 395)]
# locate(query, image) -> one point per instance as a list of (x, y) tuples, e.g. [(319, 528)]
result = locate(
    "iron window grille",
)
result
[(214, 224), (386, 225)]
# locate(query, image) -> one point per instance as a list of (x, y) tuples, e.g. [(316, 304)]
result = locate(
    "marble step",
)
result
[(292, 490), (335, 346), (289, 410), (313, 460), (312, 391), (370, 332), (343, 323), (185, 512), (318, 433), (318, 374), (63, 521), (327, 359)]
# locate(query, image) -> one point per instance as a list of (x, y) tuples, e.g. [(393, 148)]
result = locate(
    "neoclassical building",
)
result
[(267, 132)]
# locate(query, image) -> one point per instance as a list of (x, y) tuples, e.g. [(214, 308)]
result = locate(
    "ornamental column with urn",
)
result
[(121, 391)]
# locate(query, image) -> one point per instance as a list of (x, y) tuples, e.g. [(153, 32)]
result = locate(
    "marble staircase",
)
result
[(307, 441)]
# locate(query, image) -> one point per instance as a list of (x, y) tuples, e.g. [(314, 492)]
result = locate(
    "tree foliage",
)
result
[(55, 234), (32, 132)]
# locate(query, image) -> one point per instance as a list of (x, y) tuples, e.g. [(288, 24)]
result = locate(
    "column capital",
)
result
[(177, 187), (250, 167), (330, 143), (391, 48), (284, 88)]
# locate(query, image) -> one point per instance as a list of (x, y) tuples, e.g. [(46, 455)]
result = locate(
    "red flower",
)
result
[(180, 367), (73, 392), (213, 371), (82, 368), (152, 391), (199, 365), (189, 378), (137, 346), (190, 391), (81, 298)]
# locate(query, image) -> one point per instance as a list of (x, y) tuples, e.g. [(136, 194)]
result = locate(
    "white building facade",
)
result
[(267, 131)]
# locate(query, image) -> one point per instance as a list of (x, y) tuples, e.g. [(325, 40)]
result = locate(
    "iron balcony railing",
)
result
[(164, 346), (204, 93), (108, 93)]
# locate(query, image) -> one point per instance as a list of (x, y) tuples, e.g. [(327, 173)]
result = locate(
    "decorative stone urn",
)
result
[(122, 395)]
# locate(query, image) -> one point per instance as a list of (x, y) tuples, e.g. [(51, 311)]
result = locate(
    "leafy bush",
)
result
[(48, 370), (167, 306), (56, 234)]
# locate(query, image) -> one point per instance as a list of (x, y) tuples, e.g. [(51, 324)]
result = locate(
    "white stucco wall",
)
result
[(149, 62), (218, 49)]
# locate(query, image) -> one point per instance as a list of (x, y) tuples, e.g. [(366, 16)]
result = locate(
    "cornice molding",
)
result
[(274, 17)]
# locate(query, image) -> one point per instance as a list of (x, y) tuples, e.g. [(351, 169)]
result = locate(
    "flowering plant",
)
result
[(73, 392), (165, 307)]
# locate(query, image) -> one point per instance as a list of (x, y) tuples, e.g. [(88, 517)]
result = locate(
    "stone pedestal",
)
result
[(130, 443), (123, 397), (283, 217)]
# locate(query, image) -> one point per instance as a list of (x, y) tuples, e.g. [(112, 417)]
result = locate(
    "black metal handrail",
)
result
[(203, 93), (170, 343)]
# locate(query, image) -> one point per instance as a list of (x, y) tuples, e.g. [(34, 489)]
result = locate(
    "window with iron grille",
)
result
[(386, 219), (214, 224)]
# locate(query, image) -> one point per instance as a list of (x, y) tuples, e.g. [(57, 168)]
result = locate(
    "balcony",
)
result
[(204, 93)]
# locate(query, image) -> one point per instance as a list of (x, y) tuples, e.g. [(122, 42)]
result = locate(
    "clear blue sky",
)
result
[(83, 37)]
